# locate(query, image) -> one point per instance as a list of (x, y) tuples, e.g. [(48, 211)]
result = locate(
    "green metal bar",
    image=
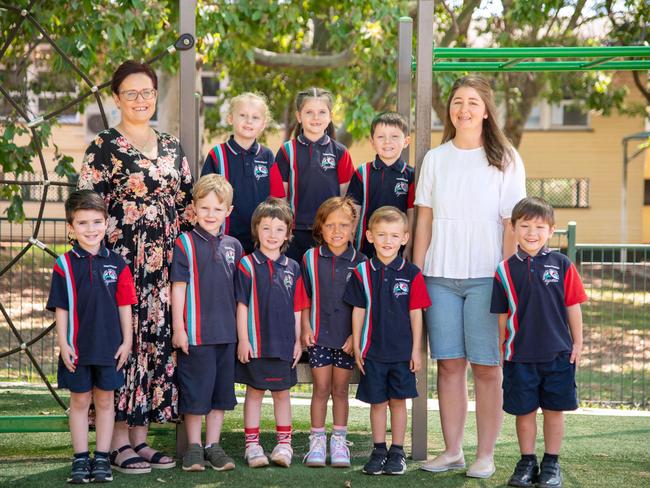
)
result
[(512, 62), (495, 66), (540, 52), (629, 247), (597, 62)]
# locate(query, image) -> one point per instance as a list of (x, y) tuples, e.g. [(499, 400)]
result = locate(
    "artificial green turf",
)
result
[(599, 451)]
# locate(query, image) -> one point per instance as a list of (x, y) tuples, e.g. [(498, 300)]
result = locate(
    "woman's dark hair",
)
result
[(498, 149), (318, 93), (84, 200), (131, 67)]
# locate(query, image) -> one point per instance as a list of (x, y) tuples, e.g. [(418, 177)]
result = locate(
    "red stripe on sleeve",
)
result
[(419, 296), (243, 269), (125, 294), (57, 269), (179, 245), (300, 298), (275, 180), (574, 291), (345, 169), (410, 199)]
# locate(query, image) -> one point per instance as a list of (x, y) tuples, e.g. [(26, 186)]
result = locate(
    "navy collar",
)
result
[(397, 264), (80, 252), (205, 235), (523, 255), (260, 258), (379, 165), (323, 141), (350, 253), (237, 149)]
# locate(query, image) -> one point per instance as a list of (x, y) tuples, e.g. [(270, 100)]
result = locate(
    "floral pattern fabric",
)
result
[(148, 205)]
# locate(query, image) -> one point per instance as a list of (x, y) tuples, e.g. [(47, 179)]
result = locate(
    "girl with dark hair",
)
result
[(314, 167), (145, 180), (465, 194)]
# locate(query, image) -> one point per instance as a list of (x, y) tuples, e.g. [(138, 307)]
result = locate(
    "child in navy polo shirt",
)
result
[(248, 165), (537, 293), (204, 328), (91, 294), (313, 165), (327, 327), (388, 180), (388, 295), (270, 295)]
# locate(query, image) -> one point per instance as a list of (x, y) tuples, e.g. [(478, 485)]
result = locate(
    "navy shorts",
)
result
[(206, 379), (550, 385), (272, 374), (385, 381), (85, 378), (320, 356)]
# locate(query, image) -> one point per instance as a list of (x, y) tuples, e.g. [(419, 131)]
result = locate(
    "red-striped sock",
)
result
[(252, 435), (283, 434)]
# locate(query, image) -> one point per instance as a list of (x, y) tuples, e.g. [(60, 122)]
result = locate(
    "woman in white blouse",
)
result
[(465, 193)]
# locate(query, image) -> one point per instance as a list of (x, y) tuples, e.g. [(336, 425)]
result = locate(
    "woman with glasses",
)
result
[(145, 179)]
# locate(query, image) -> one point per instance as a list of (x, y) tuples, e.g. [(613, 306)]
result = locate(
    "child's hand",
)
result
[(308, 338), (359, 360), (415, 363), (180, 340), (297, 352), (68, 356), (575, 354), (244, 351), (122, 355), (347, 347)]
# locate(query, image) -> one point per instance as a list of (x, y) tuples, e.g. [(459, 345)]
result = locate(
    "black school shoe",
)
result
[(100, 470), (550, 475), (375, 464), (80, 473), (395, 461), (525, 475)]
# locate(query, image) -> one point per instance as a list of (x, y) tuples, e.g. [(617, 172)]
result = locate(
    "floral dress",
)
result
[(147, 202)]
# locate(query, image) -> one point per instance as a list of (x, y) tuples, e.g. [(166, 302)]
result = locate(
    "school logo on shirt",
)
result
[(401, 288), (328, 161), (230, 255), (109, 275), (349, 275), (401, 188), (288, 280), (551, 276), (260, 170)]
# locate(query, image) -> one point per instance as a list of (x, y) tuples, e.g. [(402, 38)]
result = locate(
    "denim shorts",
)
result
[(459, 322)]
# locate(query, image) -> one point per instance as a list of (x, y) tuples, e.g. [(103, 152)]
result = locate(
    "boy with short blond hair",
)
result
[(204, 324), (388, 295), (537, 293)]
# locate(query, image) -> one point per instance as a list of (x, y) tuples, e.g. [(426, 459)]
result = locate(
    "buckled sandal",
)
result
[(126, 466), (155, 459)]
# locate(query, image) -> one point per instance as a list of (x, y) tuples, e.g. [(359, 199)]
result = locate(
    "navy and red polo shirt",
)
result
[(253, 175), (273, 291), (388, 293), (208, 264), (314, 172), (376, 184), (325, 276), (535, 292), (92, 288)]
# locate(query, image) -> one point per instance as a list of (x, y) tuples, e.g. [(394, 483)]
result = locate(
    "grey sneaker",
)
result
[(317, 454), (218, 459), (193, 458)]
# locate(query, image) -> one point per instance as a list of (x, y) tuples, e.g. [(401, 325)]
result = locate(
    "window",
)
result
[(567, 114), (560, 192), (211, 86), (646, 193)]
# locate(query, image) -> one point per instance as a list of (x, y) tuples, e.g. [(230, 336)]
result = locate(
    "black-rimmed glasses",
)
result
[(131, 95)]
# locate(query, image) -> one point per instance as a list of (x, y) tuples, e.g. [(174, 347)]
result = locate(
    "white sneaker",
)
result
[(255, 456), (339, 451), (317, 454), (282, 454), (444, 462)]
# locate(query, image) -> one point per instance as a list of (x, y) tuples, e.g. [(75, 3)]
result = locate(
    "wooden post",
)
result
[(404, 72), (424, 78)]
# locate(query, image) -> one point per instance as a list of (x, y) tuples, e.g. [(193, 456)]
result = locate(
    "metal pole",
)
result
[(188, 111), (571, 241), (424, 79), (404, 72), (624, 195)]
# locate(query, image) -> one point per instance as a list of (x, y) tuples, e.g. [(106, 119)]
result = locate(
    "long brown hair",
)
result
[(498, 149), (318, 93)]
